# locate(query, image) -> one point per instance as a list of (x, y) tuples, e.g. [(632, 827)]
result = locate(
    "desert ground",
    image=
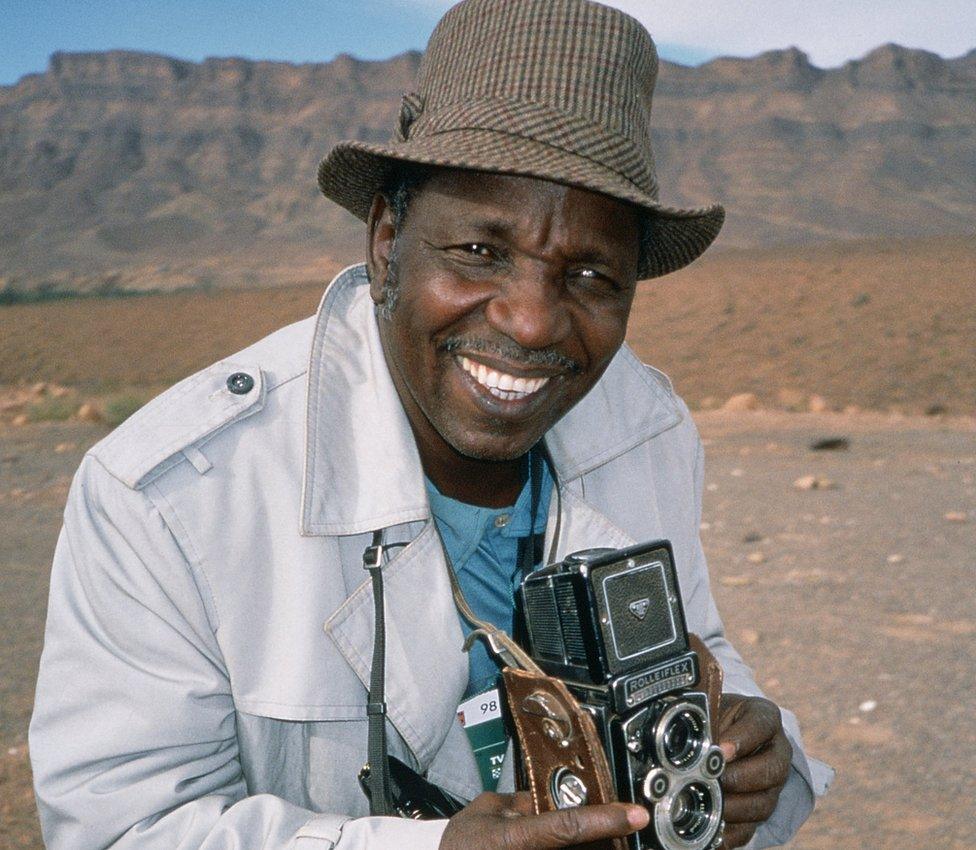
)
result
[(840, 503)]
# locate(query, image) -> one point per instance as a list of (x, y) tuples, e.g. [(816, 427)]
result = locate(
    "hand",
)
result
[(506, 822), (757, 755)]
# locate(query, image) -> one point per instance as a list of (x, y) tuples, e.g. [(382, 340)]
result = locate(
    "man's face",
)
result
[(511, 297)]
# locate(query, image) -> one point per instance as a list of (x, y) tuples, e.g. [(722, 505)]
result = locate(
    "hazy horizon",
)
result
[(298, 32)]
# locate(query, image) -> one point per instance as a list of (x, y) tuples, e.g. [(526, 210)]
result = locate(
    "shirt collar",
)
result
[(463, 526), (362, 469)]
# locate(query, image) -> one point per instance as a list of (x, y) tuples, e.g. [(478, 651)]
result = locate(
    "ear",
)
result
[(380, 232)]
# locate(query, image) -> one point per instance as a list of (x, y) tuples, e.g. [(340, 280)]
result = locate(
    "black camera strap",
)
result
[(500, 644), (530, 548), (378, 765)]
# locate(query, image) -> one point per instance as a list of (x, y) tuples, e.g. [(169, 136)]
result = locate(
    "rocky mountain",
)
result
[(124, 171)]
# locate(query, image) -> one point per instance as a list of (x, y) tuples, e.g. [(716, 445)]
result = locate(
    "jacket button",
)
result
[(240, 383)]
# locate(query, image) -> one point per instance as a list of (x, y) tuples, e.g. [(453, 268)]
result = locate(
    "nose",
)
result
[(531, 311)]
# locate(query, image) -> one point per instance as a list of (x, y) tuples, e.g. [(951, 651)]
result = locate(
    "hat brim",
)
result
[(353, 172)]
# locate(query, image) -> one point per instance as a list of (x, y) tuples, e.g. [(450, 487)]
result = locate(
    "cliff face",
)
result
[(122, 170)]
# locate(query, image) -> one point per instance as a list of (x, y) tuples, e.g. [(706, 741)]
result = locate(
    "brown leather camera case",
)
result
[(552, 732)]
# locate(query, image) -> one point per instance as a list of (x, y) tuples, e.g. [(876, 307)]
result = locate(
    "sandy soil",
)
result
[(874, 324), (854, 603)]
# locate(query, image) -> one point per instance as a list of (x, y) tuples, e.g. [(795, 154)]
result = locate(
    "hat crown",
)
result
[(575, 56), (557, 90), (571, 74)]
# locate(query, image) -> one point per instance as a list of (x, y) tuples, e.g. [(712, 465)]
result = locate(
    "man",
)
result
[(208, 652)]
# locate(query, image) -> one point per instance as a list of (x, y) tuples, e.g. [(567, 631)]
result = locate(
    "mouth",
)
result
[(502, 385)]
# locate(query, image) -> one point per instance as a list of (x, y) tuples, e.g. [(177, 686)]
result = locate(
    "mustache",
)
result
[(513, 352)]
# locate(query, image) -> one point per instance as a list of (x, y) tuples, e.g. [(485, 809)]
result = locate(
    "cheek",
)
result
[(414, 327), (426, 317), (602, 334)]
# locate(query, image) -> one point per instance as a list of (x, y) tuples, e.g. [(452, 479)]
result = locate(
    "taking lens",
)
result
[(691, 811)]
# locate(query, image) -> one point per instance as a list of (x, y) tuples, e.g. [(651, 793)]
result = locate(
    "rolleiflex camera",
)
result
[(609, 623)]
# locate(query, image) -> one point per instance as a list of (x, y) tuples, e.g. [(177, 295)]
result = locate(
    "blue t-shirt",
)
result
[(483, 545)]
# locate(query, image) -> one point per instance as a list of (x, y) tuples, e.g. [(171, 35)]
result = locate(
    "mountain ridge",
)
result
[(122, 170)]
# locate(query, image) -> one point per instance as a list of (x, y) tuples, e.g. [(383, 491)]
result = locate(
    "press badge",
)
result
[(481, 717)]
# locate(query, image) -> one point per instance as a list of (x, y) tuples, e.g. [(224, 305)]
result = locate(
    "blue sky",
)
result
[(831, 31)]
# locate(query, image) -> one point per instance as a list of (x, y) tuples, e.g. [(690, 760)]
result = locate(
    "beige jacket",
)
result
[(210, 624)]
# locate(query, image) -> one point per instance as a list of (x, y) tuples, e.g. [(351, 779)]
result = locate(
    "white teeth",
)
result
[(500, 385)]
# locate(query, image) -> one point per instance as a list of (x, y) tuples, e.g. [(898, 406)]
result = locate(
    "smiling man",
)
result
[(464, 403), (511, 297)]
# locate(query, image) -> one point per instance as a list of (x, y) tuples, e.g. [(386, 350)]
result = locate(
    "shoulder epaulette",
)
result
[(164, 432)]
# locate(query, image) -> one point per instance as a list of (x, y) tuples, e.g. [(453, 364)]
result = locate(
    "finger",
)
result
[(754, 726), (738, 834), (769, 768), (579, 825), (490, 803), (521, 802), (750, 808)]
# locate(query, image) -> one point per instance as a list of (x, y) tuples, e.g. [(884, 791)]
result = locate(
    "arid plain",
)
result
[(845, 573)]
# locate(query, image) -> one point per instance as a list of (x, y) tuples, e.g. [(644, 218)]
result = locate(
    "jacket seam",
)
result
[(388, 520), (361, 705), (402, 719), (186, 544), (287, 380)]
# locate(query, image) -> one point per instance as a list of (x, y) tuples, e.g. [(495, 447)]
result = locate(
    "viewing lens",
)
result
[(683, 738), (691, 811)]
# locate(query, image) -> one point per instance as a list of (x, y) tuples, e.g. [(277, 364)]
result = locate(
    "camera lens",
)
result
[(683, 737), (691, 811)]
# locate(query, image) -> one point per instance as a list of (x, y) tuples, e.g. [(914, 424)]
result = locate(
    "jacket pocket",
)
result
[(310, 756)]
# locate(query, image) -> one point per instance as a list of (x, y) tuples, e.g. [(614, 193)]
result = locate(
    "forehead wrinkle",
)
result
[(511, 208), (507, 232)]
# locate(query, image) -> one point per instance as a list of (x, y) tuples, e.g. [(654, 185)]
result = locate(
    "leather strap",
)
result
[(499, 643), (556, 736), (710, 679)]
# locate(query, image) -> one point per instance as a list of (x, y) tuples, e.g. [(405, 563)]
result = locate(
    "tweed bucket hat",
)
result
[(556, 89)]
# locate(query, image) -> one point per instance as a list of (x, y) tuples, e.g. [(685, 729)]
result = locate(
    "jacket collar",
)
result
[(362, 468)]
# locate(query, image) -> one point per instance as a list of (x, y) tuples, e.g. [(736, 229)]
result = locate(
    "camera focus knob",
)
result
[(567, 789), (656, 785), (714, 762)]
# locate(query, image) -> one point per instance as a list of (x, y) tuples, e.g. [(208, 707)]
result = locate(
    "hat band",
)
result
[(544, 124)]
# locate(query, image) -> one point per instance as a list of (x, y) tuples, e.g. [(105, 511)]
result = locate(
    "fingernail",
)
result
[(729, 750), (638, 817)]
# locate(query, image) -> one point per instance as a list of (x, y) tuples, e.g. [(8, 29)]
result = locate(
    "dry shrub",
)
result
[(51, 409), (118, 408)]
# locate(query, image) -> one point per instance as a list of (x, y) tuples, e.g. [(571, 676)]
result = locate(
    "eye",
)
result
[(478, 249), (473, 253), (596, 281)]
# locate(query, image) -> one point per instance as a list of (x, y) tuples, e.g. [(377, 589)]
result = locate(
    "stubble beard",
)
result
[(390, 293)]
